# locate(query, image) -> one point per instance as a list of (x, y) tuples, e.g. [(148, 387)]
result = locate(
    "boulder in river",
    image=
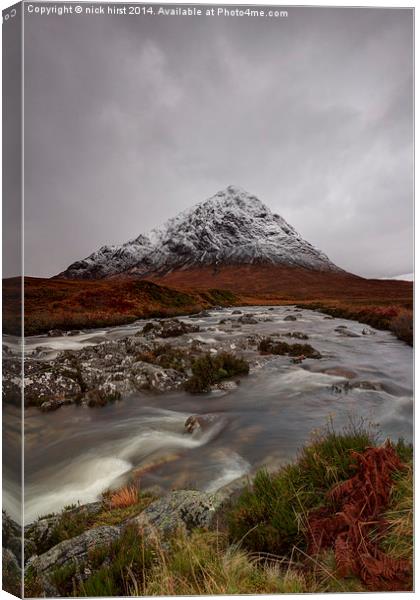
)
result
[(368, 331), (168, 328), (290, 318), (340, 372), (55, 333), (198, 423), (296, 334), (348, 333), (248, 320)]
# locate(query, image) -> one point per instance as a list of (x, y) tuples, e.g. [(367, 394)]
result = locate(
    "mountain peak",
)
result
[(237, 194), (231, 227)]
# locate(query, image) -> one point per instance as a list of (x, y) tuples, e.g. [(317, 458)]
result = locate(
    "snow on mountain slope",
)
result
[(232, 227), (405, 277)]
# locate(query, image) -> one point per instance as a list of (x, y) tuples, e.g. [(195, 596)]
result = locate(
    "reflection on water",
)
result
[(75, 453)]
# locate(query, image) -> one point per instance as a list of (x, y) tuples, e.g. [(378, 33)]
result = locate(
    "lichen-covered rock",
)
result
[(73, 551), (42, 532), (181, 510), (297, 335), (146, 376), (248, 320), (43, 381), (11, 573), (168, 328)]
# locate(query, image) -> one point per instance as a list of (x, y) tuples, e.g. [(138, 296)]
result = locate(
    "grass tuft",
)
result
[(126, 496), (269, 346), (208, 370)]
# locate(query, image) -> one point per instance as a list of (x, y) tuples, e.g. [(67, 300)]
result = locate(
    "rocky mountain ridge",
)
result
[(232, 227)]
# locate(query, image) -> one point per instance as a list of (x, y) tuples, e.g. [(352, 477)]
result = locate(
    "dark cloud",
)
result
[(130, 120)]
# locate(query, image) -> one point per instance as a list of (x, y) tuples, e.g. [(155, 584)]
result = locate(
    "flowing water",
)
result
[(75, 453)]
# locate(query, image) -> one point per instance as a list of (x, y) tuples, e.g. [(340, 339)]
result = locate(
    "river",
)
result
[(75, 453)]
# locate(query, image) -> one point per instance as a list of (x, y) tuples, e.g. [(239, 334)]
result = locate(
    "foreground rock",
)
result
[(182, 510), (11, 573), (70, 552), (40, 534), (12, 555), (178, 511)]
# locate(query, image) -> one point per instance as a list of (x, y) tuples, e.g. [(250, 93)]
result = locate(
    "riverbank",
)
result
[(397, 318), (269, 537), (63, 304)]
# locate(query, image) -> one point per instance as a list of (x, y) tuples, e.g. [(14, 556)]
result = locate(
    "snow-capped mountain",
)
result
[(232, 227)]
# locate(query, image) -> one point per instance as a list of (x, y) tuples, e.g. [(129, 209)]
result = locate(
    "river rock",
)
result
[(368, 331), (296, 334), (152, 377), (55, 333), (349, 333), (248, 320), (340, 372), (181, 510), (290, 318), (374, 386), (48, 382), (169, 328), (236, 312), (226, 386)]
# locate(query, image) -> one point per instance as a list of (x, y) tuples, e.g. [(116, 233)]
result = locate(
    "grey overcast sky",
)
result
[(129, 120)]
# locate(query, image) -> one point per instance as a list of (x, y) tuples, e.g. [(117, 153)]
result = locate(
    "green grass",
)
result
[(167, 357), (269, 516), (204, 563), (262, 547), (208, 370), (398, 540), (118, 565)]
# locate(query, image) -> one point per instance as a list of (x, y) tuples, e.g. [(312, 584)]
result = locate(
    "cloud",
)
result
[(129, 121)]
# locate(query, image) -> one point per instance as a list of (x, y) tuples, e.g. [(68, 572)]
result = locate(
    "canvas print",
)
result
[(207, 299)]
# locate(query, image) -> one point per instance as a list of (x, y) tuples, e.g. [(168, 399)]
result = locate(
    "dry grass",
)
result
[(71, 304), (124, 497), (402, 326), (77, 304), (205, 564), (217, 562)]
